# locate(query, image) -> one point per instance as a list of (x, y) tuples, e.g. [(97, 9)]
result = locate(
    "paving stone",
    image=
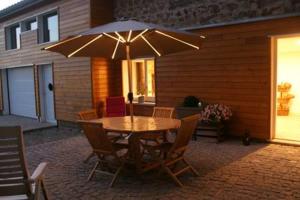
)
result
[(227, 171)]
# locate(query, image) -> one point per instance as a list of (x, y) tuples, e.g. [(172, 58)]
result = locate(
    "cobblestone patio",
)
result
[(227, 171)]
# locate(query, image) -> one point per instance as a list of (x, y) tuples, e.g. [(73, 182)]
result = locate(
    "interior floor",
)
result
[(288, 127)]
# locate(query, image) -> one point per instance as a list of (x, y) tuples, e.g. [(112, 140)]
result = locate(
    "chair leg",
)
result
[(93, 171), (37, 191), (191, 167), (44, 190), (116, 175), (177, 181), (89, 157)]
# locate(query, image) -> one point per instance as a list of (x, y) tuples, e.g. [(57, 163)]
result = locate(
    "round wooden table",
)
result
[(136, 128)]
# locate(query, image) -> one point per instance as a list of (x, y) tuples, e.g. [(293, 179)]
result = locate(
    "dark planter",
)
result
[(182, 112)]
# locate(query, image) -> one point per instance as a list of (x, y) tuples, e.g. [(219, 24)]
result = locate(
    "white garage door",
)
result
[(21, 91)]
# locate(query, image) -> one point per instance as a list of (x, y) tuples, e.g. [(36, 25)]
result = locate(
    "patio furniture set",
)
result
[(139, 141)]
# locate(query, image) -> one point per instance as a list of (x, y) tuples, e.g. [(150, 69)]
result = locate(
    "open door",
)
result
[(286, 88)]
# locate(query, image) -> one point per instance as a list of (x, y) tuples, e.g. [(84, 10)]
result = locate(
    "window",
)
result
[(13, 40), (50, 27), (143, 79), (30, 25)]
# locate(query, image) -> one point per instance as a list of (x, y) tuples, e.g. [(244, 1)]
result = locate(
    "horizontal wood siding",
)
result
[(72, 77), (106, 82), (232, 67)]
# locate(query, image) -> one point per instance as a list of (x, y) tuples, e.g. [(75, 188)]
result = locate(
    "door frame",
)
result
[(273, 91), (41, 98)]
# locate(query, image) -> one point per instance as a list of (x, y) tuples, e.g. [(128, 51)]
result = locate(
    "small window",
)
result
[(30, 25), (143, 79), (13, 40), (50, 27)]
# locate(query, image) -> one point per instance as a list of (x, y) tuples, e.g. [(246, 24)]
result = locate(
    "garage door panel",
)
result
[(21, 91)]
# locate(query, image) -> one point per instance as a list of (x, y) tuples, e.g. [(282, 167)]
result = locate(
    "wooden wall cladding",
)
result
[(107, 81), (233, 67), (72, 76)]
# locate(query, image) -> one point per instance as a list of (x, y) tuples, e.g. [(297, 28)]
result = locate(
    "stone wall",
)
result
[(186, 13)]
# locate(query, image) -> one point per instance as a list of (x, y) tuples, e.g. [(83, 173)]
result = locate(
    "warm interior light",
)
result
[(287, 89), (179, 40), (151, 45), (136, 37), (202, 36), (87, 44), (115, 50), (129, 36), (62, 42), (113, 37)]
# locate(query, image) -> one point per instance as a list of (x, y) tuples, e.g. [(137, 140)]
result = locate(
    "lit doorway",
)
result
[(287, 89)]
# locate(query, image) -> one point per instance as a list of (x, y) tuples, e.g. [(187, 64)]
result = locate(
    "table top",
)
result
[(140, 124)]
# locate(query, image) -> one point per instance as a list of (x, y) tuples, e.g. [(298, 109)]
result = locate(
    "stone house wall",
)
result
[(187, 13)]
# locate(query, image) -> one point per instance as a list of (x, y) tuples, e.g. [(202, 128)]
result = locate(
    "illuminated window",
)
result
[(143, 79)]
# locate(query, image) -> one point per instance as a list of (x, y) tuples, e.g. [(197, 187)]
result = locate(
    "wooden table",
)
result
[(136, 128)]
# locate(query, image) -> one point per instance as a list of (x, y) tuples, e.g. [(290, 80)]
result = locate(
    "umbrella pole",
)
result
[(130, 93)]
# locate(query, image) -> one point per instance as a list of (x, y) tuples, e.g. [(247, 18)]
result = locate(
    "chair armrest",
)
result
[(38, 172)]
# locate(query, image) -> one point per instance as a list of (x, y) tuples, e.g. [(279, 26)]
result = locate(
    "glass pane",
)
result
[(143, 80), (140, 79), (150, 78), (53, 28), (33, 25), (18, 32)]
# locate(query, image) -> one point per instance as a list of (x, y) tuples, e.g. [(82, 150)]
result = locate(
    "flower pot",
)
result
[(141, 99)]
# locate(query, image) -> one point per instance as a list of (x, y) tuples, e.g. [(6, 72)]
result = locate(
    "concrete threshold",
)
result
[(286, 142)]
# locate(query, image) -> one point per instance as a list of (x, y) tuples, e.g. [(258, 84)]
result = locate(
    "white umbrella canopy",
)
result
[(126, 40)]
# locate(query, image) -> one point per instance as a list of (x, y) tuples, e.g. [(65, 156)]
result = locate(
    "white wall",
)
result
[(288, 70)]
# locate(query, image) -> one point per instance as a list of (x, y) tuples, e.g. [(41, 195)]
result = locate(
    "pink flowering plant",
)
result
[(216, 113)]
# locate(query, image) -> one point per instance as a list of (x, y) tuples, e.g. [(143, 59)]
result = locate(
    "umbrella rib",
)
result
[(62, 42), (120, 36), (115, 50), (129, 36), (152, 47), (179, 40), (87, 44), (136, 37), (112, 37)]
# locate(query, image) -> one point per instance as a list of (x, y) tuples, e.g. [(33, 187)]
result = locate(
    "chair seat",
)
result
[(164, 147)]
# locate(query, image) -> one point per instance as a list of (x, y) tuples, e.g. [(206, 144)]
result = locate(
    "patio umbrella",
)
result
[(126, 40)]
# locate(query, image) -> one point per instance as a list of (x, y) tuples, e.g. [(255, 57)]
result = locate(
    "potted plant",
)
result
[(141, 94), (215, 114)]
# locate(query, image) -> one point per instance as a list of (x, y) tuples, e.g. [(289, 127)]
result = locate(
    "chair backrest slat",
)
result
[(13, 170), (163, 112), (88, 114), (184, 135), (97, 137)]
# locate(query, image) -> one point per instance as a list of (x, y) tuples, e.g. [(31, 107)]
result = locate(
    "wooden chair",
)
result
[(159, 112), (15, 181), (174, 152), (103, 148), (90, 115), (163, 112), (115, 107)]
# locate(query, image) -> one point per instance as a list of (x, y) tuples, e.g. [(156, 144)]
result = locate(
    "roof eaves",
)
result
[(17, 7)]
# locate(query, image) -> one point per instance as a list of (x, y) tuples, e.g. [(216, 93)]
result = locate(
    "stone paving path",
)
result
[(227, 171)]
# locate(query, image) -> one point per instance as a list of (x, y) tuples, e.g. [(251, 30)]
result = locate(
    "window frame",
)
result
[(43, 24), (9, 35), (148, 99), (27, 24)]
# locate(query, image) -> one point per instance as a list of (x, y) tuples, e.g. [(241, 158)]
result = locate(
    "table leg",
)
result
[(135, 150)]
